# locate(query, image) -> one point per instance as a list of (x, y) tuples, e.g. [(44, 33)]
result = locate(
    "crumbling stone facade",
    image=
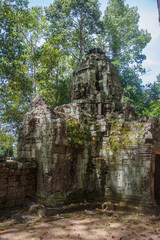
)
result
[(92, 149)]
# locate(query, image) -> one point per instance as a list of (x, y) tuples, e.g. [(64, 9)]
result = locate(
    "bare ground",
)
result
[(97, 224)]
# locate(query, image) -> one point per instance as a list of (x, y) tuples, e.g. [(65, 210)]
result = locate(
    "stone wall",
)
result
[(17, 183)]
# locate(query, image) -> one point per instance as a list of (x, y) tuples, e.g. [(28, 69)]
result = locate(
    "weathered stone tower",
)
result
[(92, 149), (95, 85)]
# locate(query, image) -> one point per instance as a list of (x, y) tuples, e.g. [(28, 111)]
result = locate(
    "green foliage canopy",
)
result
[(14, 80), (74, 24), (151, 99)]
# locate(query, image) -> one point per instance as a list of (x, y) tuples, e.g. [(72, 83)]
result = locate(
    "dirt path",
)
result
[(85, 225)]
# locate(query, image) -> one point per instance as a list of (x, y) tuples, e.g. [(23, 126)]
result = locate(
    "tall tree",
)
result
[(28, 63), (12, 19), (14, 81), (7, 144), (73, 24), (33, 35), (125, 43)]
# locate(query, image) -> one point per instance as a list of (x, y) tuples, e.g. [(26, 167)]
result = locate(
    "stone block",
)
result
[(14, 184), (2, 202), (102, 128), (11, 203), (2, 193)]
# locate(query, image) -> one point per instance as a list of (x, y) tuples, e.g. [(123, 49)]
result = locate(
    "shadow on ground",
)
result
[(95, 224)]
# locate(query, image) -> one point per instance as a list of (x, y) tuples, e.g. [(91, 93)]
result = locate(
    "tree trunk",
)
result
[(158, 4), (81, 36), (34, 77)]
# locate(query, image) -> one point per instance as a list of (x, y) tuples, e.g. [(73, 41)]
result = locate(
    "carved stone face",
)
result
[(79, 91), (76, 92)]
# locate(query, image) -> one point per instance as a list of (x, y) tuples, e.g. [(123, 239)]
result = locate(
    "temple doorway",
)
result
[(157, 179)]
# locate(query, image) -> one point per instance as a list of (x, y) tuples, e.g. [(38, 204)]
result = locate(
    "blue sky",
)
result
[(148, 20)]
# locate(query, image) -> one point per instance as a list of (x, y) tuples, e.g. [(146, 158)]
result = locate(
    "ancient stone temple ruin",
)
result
[(91, 149)]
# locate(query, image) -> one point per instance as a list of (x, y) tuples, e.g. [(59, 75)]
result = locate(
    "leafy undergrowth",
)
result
[(97, 224)]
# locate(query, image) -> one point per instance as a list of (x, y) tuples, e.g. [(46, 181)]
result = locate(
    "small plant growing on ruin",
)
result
[(77, 131)]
